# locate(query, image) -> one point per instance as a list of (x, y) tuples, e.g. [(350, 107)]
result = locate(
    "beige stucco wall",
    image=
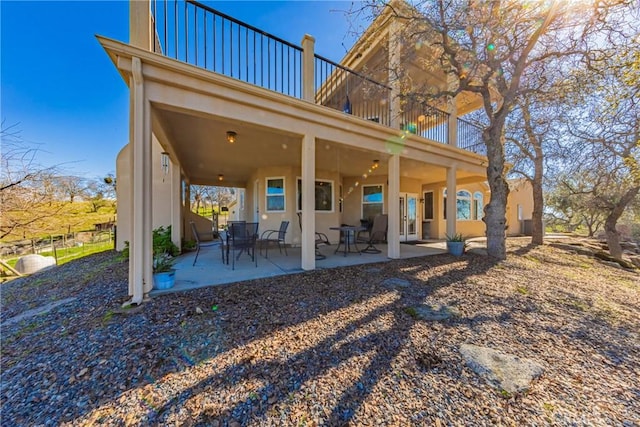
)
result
[(271, 220), (162, 214), (438, 226), (520, 194)]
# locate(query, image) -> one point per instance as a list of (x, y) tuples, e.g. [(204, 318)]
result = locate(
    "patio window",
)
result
[(275, 194), (463, 205), (428, 205), (323, 195), (478, 205), (372, 201)]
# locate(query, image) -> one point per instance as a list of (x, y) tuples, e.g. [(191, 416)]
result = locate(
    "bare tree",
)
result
[(72, 186), (608, 135), (490, 49), (26, 188)]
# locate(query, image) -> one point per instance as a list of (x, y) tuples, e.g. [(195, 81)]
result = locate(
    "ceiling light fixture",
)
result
[(220, 177), (231, 136)]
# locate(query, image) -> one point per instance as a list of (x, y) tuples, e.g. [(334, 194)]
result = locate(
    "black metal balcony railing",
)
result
[(425, 120), (470, 137), (194, 33), (345, 90), (199, 35)]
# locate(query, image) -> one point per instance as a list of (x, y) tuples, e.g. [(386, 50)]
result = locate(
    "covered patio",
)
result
[(211, 271)]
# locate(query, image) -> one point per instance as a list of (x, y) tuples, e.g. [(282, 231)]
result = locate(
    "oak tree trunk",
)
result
[(613, 238), (495, 211)]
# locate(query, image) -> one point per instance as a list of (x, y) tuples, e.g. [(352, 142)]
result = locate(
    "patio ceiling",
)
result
[(201, 146)]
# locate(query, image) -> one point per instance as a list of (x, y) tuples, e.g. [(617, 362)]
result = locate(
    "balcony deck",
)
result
[(194, 33)]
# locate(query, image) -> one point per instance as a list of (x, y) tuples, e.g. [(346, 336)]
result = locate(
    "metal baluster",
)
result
[(246, 53)]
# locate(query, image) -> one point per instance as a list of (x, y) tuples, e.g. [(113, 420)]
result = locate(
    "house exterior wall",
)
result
[(271, 220), (520, 195), (163, 189), (436, 228)]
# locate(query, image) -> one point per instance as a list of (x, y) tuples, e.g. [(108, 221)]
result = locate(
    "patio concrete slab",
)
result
[(211, 271)]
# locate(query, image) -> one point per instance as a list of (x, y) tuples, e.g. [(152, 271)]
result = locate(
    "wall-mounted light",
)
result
[(164, 162), (231, 136), (421, 201), (220, 177), (376, 163)]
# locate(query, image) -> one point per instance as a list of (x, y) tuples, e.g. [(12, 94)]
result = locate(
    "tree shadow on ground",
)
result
[(330, 352)]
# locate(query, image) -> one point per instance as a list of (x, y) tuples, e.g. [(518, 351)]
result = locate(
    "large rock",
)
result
[(503, 371), (434, 312), (30, 264)]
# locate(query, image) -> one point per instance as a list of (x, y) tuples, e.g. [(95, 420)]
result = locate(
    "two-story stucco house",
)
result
[(215, 101)]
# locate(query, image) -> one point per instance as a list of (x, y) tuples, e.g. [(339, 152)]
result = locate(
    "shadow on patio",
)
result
[(211, 271)]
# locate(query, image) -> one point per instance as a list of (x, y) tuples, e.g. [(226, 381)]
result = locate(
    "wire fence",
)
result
[(63, 247)]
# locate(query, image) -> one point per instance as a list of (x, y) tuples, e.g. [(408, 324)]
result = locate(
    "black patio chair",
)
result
[(321, 239), (199, 242), (274, 236), (243, 237), (378, 234)]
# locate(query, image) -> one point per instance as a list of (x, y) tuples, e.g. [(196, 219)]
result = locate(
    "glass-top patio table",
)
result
[(347, 232)]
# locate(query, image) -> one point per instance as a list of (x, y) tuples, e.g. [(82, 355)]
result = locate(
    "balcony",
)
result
[(194, 33)]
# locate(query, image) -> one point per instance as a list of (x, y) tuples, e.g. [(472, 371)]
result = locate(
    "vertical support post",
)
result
[(308, 47), (141, 24), (452, 198), (308, 202), (176, 218), (395, 47), (186, 209), (453, 122), (393, 232), (140, 253)]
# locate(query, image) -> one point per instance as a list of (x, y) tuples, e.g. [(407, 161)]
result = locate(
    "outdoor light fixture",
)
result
[(164, 162), (220, 177), (376, 163), (231, 136)]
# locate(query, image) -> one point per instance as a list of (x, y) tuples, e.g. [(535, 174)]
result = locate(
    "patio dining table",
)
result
[(348, 240)]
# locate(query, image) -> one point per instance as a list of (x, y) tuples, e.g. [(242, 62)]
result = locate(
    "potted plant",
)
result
[(164, 275), (455, 244), (164, 251)]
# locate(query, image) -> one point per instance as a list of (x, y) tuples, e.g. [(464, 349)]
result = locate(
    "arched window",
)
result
[(463, 205), (478, 205)]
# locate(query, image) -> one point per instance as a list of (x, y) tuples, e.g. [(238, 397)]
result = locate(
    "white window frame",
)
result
[(267, 195), (362, 202), (476, 207), (299, 193)]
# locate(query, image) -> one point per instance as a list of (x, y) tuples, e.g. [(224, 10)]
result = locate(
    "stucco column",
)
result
[(308, 46), (308, 202), (452, 209), (453, 122), (394, 53), (176, 207), (140, 24), (140, 252), (186, 208), (393, 232)]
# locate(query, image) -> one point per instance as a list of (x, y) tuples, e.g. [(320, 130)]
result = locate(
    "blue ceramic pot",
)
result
[(455, 248), (164, 280)]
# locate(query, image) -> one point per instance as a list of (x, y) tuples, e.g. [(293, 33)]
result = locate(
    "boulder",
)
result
[(30, 264), (503, 371)]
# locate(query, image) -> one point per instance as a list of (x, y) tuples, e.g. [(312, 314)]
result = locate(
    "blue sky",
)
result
[(64, 93)]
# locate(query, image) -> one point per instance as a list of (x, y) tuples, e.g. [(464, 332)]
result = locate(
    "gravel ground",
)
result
[(330, 347)]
